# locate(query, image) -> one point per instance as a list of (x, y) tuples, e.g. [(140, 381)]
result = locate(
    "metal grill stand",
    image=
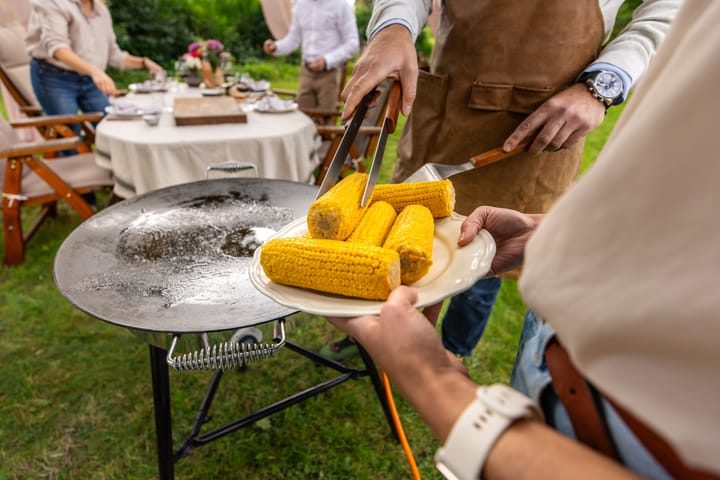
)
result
[(167, 456)]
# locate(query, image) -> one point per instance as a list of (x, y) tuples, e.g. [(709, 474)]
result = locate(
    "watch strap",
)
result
[(477, 429)]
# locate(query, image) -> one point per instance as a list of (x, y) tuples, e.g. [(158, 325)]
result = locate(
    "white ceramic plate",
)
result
[(138, 112), (454, 270), (290, 108)]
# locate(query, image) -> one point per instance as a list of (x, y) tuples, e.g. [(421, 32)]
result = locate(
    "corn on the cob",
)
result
[(412, 237), (374, 225), (438, 196), (332, 266), (335, 214)]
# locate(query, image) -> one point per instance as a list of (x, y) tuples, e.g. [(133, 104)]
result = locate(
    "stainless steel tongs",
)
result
[(351, 131)]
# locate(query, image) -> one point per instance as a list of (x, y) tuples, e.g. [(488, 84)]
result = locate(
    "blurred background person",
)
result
[(71, 43), (326, 33)]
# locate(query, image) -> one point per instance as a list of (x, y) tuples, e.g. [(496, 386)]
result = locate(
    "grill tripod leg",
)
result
[(163, 417)]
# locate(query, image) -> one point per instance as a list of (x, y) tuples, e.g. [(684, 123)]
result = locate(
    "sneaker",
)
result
[(340, 350)]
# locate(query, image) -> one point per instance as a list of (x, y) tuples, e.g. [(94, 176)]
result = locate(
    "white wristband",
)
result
[(478, 428)]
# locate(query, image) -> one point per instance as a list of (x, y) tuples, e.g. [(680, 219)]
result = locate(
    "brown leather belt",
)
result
[(578, 398)]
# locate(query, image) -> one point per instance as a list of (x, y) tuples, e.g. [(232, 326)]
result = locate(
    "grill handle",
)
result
[(226, 355)]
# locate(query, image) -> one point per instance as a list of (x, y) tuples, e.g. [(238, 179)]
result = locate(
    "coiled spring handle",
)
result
[(227, 355)]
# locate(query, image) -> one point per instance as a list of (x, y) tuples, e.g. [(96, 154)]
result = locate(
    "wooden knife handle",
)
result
[(393, 106), (497, 154)]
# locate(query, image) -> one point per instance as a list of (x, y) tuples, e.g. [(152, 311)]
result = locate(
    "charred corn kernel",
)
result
[(374, 225), (336, 214), (332, 266), (412, 237), (438, 196)]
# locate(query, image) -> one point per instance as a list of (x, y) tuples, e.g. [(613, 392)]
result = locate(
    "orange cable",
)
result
[(399, 428)]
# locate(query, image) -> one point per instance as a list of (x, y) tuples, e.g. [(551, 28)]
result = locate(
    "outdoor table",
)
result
[(144, 157)]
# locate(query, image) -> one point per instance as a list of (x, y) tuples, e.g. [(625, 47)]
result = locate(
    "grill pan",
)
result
[(175, 260)]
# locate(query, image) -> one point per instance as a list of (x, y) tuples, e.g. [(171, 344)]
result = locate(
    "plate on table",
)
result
[(287, 109), (126, 110), (148, 87), (211, 92), (273, 104), (454, 270)]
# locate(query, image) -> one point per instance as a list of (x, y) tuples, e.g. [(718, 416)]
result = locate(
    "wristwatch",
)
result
[(472, 437), (604, 85)]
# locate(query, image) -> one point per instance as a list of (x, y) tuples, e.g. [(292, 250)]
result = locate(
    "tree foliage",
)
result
[(162, 29)]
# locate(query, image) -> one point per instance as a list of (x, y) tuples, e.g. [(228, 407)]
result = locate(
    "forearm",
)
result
[(530, 450), (134, 62), (438, 398), (77, 64)]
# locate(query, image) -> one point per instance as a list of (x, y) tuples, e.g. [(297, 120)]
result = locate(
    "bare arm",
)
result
[(101, 79), (134, 62), (424, 374)]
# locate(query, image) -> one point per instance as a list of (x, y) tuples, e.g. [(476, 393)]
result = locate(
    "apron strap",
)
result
[(576, 395), (579, 402)]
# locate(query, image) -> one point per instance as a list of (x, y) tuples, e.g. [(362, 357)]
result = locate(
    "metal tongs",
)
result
[(351, 131)]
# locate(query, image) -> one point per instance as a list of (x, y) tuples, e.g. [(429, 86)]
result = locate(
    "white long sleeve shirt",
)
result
[(631, 50), (322, 28)]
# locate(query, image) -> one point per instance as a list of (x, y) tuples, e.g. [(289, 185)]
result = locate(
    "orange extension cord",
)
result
[(399, 428)]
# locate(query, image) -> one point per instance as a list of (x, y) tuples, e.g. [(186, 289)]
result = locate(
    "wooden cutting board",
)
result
[(207, 111)]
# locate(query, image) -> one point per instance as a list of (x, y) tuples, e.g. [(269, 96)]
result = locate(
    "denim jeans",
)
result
[(467, 315), (531, 377), (64, 92)]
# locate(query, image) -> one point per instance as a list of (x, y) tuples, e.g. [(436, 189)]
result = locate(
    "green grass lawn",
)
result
[(76, 401)]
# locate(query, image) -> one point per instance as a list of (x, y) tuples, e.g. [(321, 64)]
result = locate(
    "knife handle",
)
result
[(497, 154), (393, 106)]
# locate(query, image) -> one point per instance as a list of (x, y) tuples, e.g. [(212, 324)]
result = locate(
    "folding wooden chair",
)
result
[(29, 177), (15, 77)]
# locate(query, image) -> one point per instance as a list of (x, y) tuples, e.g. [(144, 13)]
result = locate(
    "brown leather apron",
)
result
[(493, 63)]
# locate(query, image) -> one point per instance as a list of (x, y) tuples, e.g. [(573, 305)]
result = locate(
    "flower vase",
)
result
[(219, 77), (192, 79), (208, 75)]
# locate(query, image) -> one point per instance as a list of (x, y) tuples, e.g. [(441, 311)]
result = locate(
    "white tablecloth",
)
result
[(144, 157)]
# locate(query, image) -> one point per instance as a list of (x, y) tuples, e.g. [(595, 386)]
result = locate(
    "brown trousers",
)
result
[(319, 90)]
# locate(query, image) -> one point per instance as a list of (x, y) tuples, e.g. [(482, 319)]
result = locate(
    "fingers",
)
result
[(472, 225), (390, 54)]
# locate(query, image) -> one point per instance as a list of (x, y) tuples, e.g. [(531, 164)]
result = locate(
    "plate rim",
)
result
[(478, 255)]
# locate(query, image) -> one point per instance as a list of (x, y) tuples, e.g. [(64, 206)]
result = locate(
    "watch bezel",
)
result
[(590, 79)]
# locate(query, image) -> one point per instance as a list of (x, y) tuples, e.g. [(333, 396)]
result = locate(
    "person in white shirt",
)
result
[(327, 35)]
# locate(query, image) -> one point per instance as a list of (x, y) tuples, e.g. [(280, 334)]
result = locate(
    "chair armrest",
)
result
[(31, 110), (316, 112), (339, 130), (282, 91), (31, 148), (50, 120)]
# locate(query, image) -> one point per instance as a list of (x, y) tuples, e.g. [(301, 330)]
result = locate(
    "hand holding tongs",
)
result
[(351, 130)]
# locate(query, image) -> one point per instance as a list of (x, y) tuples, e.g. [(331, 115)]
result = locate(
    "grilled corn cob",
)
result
[(438, 196), (374, 225), (332, 266), (412, 237), (336, 214)]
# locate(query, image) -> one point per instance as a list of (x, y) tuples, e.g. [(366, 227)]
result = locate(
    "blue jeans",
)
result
[(530, 376), (64, 92), (467, 315)]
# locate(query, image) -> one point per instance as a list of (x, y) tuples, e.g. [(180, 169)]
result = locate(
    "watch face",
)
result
[(608, 85)]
